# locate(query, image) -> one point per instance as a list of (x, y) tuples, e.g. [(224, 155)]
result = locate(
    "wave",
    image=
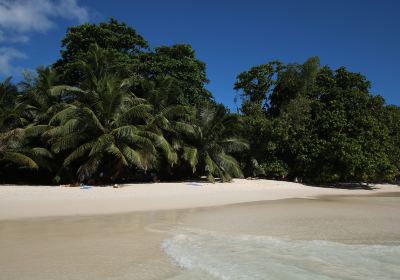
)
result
[(225, 256)]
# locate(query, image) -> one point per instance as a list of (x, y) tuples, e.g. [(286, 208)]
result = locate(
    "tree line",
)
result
[(112, 109)]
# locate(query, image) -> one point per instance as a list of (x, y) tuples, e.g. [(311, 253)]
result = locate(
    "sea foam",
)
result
[(227, 256)]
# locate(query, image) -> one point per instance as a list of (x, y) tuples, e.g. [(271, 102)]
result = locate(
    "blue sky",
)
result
[(230, 36)]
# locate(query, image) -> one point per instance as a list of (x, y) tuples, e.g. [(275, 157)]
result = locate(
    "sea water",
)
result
[(204, 254)]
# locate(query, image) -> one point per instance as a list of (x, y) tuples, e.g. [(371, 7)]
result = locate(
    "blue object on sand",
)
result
[(85, 187)]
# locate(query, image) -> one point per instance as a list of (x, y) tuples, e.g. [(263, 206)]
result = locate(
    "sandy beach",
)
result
[(45, 201), (244, 230)]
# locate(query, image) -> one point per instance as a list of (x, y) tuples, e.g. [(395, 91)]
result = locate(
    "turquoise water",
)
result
[(206, 254)]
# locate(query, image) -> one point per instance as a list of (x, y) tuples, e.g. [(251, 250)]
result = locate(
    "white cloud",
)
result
[(38, 15), (13, 38), (20, 18), (71, 10), (6, 55)]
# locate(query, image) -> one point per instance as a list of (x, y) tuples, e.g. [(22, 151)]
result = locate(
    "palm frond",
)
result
[(94, 120), (41, 152), (133, 157), (161, 143), (67, 142), (86, 170), (61, 117), (184, 128), (116, 152), (210, 166), (125, 131), (234, 145), (101, 144), (190, 155), (62, 89), (36, 130), (79, 152), (138, 112), (229, 165), (19, 159)]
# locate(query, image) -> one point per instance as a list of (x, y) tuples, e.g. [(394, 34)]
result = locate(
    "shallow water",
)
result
[(343, 238), (215, 255), (359, 239)]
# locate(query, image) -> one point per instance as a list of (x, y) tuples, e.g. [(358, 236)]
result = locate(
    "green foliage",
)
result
[(391, 117), (122, 41), (113, 110), (104, 124), (320, 125), (209, 150), (11, 113), (116, 125), (256, 83), (16, 151), (179, 62), (130, 56)]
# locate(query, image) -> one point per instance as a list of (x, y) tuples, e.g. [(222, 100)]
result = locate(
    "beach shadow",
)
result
[(195, 184), (346, 186)]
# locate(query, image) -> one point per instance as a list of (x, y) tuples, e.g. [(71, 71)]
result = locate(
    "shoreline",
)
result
[(19, 202), (186, 243)]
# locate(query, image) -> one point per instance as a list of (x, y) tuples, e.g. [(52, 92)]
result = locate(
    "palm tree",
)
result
[(15, 144), (103, 122), (15, 150), (169, 120), (209, 150), (11, 113), (106, 124), (38, 101)]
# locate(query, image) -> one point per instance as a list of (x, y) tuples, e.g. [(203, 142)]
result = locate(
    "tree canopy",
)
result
[(113, 109), (319, 125)]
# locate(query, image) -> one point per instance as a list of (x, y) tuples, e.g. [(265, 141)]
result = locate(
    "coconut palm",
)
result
[(169, 120), (38, 101), (209, 151), (15, 144), (102, 123), (16, 151), (106, 124), (11, 113)]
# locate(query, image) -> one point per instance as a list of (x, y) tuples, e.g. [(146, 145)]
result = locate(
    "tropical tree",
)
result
[(15, 151), (104, 122), (317, 124), (392, 120), (108, 126), (122, 42), (209, 151), (170, 121), (112, 109), (179, 62), (38, 102), (11, 113), (256, 84)]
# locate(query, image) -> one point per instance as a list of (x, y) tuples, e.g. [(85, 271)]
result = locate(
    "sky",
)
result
[(230, 36)]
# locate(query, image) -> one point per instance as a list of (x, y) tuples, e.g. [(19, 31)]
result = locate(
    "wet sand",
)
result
[(98, 247), (373, 219), (128, 245)]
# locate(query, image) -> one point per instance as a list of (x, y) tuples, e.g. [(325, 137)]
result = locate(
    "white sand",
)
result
[(44, 201)]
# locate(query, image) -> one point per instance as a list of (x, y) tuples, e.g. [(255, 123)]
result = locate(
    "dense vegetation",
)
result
[(317, 124), (113, 110)]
